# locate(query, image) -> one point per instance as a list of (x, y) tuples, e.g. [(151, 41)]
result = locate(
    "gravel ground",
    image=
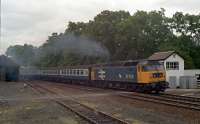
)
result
[(141, 112), (27, 111), (30, 111), (130, 110)]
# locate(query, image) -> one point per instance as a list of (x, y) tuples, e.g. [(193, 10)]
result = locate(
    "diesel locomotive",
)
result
[(138, 75)]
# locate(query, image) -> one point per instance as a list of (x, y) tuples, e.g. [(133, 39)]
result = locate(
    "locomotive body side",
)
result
[(142, 77), (119, 73)]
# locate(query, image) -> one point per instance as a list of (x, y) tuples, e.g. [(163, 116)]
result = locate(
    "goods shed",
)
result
[(9, 70)]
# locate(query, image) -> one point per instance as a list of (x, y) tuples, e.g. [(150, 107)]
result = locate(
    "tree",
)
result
[(119, 36)]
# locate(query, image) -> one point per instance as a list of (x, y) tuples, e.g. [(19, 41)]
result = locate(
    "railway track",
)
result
[(84, 88), (93, 116), (163, 98), (167, 99), (187, 98)]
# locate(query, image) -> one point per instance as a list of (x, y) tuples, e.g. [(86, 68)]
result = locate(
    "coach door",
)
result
[(92, 74), (139, 76)]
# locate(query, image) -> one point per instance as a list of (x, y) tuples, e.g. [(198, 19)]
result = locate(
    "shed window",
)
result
[(172, 65)]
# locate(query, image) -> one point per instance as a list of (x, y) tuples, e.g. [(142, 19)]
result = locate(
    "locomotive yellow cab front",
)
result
[(151, 73), (151, 76)]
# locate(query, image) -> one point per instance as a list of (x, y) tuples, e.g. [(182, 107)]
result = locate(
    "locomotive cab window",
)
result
[(152, 68)]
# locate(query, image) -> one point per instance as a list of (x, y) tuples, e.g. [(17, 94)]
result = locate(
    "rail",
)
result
[(90, 114)]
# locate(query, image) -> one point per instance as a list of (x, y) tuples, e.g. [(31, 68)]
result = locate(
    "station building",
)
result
[(9, 70)]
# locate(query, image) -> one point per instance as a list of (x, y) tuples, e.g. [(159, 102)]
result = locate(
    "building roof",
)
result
[(5, 62), (161, 55)]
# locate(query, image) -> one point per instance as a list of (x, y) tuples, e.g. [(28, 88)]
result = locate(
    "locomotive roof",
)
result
[(122, 63)]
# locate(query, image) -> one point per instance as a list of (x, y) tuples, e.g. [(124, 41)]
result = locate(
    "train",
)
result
[(132, 75)]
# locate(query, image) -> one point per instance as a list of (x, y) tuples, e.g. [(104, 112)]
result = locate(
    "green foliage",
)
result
[(125, 36)]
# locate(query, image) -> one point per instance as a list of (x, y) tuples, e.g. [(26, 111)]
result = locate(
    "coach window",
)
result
[(78, 71), (67, 72), (71, 72), (74, 72), (81, 71)]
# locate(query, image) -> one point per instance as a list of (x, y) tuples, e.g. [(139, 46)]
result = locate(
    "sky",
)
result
[(32, 21)]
